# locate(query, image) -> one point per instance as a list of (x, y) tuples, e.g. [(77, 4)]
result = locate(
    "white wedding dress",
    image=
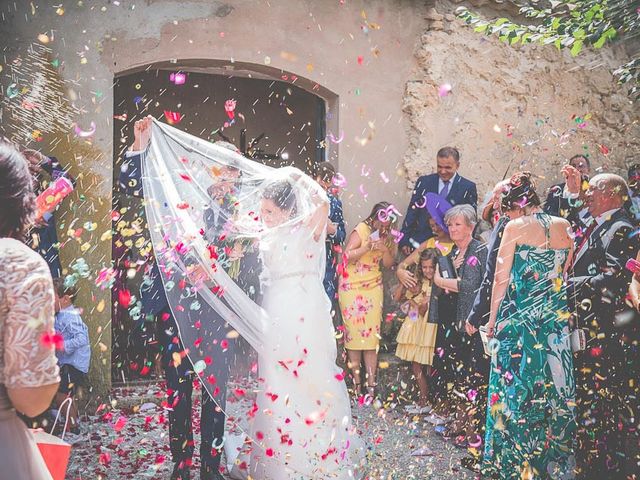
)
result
[(303, 419)]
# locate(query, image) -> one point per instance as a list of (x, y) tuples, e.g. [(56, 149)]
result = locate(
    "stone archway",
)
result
[(293, 112)]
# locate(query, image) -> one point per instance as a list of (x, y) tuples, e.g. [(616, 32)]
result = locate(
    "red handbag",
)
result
[(55, 451)]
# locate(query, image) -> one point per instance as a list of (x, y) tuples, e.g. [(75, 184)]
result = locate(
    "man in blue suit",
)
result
[(179, 376), (448, 184)]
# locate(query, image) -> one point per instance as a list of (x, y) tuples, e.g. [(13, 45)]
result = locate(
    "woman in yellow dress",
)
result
[(360, 292), (417, 336)]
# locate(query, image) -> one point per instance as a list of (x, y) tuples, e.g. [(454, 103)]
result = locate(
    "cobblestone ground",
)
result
[(129, 439)]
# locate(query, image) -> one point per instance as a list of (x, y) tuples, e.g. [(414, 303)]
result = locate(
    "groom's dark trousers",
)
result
[(179, 377)]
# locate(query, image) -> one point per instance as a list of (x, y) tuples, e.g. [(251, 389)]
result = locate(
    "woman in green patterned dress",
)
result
[(531, 424)]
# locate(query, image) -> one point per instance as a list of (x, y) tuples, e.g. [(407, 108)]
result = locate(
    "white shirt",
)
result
[(441, 183), (606, 216)]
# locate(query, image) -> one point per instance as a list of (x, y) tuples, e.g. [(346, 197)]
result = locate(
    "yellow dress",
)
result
[(443, 248), (360, 295), (417, 337)]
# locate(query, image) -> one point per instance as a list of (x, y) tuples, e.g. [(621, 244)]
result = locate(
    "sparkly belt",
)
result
[(293, 274)]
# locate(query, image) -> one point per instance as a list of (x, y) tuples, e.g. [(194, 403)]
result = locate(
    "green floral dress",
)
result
[(531, 425)]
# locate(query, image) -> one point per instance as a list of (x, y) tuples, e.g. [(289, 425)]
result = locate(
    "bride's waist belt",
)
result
[(294, 274)]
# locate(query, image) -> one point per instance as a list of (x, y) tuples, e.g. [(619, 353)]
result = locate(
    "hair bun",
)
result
[(520, 192)]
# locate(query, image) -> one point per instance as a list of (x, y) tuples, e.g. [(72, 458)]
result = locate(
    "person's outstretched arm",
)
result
[(130, 177)]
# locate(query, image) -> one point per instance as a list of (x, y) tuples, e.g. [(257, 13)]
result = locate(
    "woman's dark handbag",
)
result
[(447, 270)]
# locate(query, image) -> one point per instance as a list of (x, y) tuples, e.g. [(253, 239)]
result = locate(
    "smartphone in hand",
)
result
[(375, 236)]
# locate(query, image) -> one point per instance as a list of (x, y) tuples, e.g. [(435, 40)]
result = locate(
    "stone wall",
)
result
[(521, 107)]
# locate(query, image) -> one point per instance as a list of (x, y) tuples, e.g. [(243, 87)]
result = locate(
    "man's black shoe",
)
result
[(207, 473), (181, 471)]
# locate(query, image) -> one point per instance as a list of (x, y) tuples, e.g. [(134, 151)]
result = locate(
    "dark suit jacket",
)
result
[(599, 275), (152, 294), (482, 305), (556, 202), (416, 224), (250, 264), (559, 206), (335, 216)]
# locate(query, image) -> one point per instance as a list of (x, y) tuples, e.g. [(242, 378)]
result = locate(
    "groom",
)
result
[(179, 374)]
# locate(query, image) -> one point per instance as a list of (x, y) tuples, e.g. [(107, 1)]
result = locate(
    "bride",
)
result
[(300, 421)]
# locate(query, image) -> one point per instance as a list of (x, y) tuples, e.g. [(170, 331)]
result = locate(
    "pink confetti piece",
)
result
[(124, 298), (362, 191), (120, 423), (173, 118), (472, 394), (473, 261), (424, 202), (384, 178), (397, 235), (84, 133), (333, 138), (633, 265), (444, 89), (230, 107), (52, 339), (339, 180), (105, 458), (178, 78)]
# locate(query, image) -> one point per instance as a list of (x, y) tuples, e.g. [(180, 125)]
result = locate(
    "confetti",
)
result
[(178, 78), (173, 118), (444, 89), (85, 133)]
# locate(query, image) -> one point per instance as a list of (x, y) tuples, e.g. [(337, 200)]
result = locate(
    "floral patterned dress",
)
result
[(531, 424), (361, 297)]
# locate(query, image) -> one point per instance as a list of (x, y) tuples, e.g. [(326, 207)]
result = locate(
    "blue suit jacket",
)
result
[(482, 305), (152, 294), (336, 216), (416, 224)]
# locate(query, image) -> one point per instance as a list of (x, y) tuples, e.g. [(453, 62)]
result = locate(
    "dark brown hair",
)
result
[(586, 159), (282, 195), (520, 192), (16, 193), (325, 171), (61, 290), (430, 254), (375, 211)]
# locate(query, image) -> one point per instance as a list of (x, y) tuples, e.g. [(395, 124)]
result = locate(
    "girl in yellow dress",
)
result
[(360, 292), (417, 337), (440, 241)]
